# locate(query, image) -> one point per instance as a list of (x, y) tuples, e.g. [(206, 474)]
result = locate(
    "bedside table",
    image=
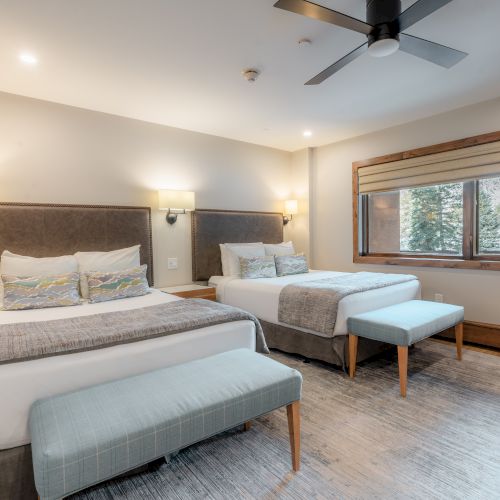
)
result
[(192, 291)]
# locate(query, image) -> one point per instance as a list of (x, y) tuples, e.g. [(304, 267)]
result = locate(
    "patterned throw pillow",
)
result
[(291, 264), (257, 267), (114, 285), (37, 292)]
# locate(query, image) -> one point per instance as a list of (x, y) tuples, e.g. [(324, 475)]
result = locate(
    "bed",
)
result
[(261, 296), (51, 230)]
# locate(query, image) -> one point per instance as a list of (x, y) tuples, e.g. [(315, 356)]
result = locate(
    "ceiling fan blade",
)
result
[(337, 66), (419, 10), (321, 13), (430, 51)]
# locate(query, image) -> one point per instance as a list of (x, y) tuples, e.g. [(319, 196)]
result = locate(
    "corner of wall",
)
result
[(301, 171)]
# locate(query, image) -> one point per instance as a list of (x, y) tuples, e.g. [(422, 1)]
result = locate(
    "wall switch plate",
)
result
[(438, 297), (172, 263)]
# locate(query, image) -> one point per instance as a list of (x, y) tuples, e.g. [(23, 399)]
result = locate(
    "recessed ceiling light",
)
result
[(28, 58), (307, 133)]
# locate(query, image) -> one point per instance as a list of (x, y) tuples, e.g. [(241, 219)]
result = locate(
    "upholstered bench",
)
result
[(88, 436), (404, 324)]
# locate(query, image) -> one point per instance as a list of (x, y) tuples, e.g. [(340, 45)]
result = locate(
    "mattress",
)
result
[(261, 296), (24, 382)]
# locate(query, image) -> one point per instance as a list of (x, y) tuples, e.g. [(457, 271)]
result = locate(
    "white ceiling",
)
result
[(179, 62)]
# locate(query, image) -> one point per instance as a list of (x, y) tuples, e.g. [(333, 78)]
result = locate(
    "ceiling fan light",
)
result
[(384, 47)]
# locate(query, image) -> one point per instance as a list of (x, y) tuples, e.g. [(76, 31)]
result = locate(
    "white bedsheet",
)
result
[(261, 296), (24, 382)]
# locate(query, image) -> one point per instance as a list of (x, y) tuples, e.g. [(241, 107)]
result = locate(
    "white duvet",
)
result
[(261, 296), (24, 382)]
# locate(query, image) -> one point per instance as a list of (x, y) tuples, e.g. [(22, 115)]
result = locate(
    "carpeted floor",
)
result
[(360, 440)]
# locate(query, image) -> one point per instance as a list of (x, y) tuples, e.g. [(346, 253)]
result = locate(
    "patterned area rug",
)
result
[(360, 440)]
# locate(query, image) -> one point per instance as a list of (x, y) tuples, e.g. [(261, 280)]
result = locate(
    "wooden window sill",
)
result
[(486, 265)]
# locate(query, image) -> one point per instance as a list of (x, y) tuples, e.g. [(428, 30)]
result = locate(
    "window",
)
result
[(417, 221), (430, 208)]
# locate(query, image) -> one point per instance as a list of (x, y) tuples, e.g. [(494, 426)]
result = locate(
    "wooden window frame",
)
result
[(469, 259)]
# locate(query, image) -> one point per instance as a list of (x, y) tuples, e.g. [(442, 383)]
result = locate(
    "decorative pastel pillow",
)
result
[(257, 267), (12, 264), (104, 286), (285, 248), (106, 262), (291, 264), (37, 292)]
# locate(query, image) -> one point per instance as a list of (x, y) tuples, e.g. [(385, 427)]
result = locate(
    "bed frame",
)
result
[(44, 230), (212, 227)]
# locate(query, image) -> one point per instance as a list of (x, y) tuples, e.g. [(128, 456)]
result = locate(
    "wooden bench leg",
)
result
[(293, 414), (247, 426), (459, 339), (353, 354), (403, 368)]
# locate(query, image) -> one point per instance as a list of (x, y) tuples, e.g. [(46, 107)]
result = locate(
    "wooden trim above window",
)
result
[(427, 150), (487, 263)]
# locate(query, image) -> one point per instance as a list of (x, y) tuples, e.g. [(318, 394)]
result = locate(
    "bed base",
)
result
[(16, 474), (332, 350)]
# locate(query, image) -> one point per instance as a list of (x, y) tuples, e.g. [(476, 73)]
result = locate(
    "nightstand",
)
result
[(191, 291)]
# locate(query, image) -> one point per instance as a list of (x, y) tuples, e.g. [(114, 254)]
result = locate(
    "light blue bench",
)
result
[(91, 435), (403, 325)]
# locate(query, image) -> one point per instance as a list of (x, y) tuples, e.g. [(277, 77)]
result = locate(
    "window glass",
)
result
[(489, 215), (423, 220)]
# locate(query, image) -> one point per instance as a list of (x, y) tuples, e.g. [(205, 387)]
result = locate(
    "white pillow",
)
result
[(231, 253), (226, 258), (280, 249), (23, 266), (115, 260)]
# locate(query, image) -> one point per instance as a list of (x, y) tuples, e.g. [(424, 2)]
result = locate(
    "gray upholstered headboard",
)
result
[(42, 230), (212, 227)]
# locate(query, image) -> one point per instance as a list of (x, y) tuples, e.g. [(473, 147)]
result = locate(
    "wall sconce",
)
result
[(176, 202), (291, 209)]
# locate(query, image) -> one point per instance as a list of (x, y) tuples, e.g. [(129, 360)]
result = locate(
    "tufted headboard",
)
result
[(46, 230), (212, 227)]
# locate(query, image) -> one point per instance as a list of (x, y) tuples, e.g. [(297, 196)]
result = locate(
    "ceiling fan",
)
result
[(383, 28)]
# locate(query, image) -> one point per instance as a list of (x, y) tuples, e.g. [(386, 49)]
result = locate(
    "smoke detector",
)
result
[(250, 75)]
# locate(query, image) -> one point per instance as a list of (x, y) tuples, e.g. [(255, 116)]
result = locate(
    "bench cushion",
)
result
[(407, 322), (88, 436)]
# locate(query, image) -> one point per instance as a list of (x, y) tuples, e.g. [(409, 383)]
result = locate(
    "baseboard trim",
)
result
[(483, 334)]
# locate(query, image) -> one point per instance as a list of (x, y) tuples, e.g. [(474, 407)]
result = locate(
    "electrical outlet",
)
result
[(172, 263), (438, 297)]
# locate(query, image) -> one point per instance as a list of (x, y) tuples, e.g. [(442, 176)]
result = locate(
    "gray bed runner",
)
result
[(313, 305), (25, 341)]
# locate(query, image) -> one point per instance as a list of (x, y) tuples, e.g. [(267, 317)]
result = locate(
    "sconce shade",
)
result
[(291, 207), (175, 200)]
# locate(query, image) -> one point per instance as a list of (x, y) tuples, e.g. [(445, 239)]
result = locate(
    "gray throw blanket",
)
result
[(314, 304), (25, 341)]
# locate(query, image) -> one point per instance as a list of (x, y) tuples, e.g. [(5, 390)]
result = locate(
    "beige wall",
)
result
[(59, 154), (331, 205), (298, 229)]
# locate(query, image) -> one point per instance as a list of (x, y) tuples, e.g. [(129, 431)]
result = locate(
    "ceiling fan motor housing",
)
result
[(383, 15)]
